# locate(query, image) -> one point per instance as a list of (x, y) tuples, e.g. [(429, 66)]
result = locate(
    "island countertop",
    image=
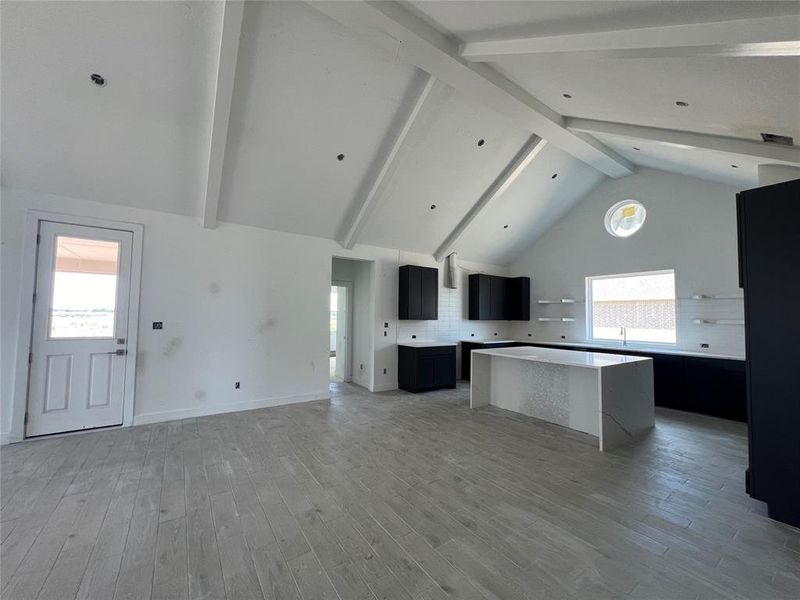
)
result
[(556, 356), (427, 344), (635, 348)]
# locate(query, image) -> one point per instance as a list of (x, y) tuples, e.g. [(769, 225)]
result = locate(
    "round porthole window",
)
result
[(625, 218)]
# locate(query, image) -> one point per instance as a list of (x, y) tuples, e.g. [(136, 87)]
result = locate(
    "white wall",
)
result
[(238, 303), (690, 227)]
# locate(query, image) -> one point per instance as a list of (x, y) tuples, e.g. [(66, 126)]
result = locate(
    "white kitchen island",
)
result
[(609, 396)]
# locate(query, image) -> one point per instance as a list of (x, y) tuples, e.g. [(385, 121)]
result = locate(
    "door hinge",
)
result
[(34, 297), (26, 418), (38, 238), (30, 357)]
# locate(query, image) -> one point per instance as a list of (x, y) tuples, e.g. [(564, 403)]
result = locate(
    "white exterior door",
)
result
[(80, 328)]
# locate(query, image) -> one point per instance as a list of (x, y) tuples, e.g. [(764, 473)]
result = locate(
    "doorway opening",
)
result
[(350, 326), (341, 331)]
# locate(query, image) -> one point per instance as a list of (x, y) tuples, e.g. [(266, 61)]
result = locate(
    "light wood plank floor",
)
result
[(390, 496)]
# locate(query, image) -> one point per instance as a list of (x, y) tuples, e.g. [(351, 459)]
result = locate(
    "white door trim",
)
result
[(27, 287)]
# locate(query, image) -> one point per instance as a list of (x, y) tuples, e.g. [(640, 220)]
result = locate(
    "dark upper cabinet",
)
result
[(497, 295), (769, 255), (480, 299), (518, 299), (419, 293), (494, 298)]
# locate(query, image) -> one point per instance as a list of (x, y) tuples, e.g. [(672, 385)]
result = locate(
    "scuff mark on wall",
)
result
[(172, 346), (266, 325), (214, 288)]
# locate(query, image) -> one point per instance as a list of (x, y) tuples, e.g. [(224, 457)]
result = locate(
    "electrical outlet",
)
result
[(386, 325), (237, 385), (495, 333), (384, 371), (413, 337), (471, 335), (563, 337), (158, 325), (362, 366), (704, 345), (384, 334)]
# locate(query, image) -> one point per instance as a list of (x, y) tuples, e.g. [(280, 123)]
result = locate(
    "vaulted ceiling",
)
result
[(416, 125)]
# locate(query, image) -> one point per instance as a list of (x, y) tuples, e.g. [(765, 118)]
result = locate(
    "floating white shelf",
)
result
[(717, 297), (562, 301), (556, 319), (718, 321)]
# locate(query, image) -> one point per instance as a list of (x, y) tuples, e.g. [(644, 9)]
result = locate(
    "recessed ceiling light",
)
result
[(340, 157), (97, 79), (505, 226), (433, 206), (567, 95), (735, 166), (481, 142), (681, 103), (554, 175)]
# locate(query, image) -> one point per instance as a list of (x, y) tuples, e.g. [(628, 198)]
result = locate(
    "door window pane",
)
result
[(84, 288)]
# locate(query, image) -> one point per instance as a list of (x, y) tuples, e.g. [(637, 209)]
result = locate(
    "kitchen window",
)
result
[(633, 307)]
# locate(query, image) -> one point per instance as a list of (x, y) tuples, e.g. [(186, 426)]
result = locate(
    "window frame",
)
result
[(635, 343)]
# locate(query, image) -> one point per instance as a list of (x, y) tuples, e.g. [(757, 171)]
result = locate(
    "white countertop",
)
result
[(635, 349), (489, 341), (570, 358), (427, 344)]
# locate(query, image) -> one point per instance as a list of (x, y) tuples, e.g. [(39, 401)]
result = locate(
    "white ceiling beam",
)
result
[(767, 36), (774, 153), (221, 112), (415, 42), (514, 169), (382, 168)]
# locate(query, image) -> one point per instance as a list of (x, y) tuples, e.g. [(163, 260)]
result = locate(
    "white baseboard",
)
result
[(215, 409), (384, 387)]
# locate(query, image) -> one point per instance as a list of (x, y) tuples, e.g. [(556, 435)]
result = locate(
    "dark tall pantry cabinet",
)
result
[(769, 272)]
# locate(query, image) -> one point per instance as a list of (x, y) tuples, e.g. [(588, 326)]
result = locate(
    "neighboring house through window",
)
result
[(637, 307)]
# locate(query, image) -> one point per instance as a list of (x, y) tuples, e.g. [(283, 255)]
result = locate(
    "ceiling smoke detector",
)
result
[(98, 79), (774, 138), (681, 103)]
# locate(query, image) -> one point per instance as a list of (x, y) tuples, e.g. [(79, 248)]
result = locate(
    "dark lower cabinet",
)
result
[(426, 368), (709, 386), (466, 354), (769, 272)]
